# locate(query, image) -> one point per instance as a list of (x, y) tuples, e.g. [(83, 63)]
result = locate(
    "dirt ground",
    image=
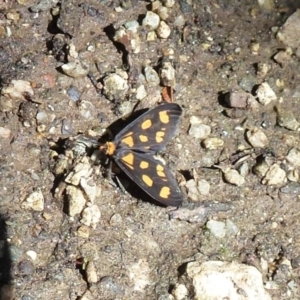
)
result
[(138, 248)]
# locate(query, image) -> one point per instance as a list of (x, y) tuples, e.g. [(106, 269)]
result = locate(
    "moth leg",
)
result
[(120, 185)]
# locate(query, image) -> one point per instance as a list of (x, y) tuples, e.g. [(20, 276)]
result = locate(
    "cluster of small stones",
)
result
[(270, 171)]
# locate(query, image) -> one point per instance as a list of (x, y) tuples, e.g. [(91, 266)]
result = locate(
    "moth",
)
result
[(134, 147)]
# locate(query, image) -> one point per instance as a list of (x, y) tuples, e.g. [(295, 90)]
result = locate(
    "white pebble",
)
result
[(293, 157), (274, 176), (32, 254), (91, 216), (213, 143), (75, 69), (199, 130), (5, 133), (163, 31), (168, 3), (34, 201), (203, 187), (167, 74), (257, 138), (76, 200), (234, 177), (114, 86), (265, 94), (91, 273), (216, 228), (141, 92), (151, 21), (163, 13), (180, 291)]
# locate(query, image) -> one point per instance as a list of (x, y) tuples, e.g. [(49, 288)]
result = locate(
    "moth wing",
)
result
[(151, 175), (152, 130)]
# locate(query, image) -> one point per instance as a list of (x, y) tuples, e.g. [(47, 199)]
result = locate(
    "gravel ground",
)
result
[(70, 69)]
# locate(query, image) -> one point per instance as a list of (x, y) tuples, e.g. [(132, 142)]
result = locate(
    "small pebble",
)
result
[(115, 220), (151, 36), (76, 200), (203, 187), (257, 138), (91, 216), (197, 129), (213, 143), (290, 30), (265, 94), (254, 47), (155, 5), (193, 192), (26, 267), (263, 69), (179, 21), (32, 254), (151, 21), (82, 169), (238, 99), (87, 109), (274, 176), (283, 58), (151, 76), (163, 13), (5, 133), (132, 26), (115, 86), (163, 31), (74, 93), (17, 89), (291, 188), (231, 228), (34, 201), (91, 189), (84, 231), (216, 228), (75, 69), (141, 92), (293, 157), (233, 177), (286, 119), (13, 16), (261, 168), (167, 74), (266, 4), (293, 175), (91, 273), (125, 108), (180, 291), (168, 3)]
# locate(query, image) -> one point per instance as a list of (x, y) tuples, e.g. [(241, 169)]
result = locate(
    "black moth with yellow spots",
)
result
[(133, 149)]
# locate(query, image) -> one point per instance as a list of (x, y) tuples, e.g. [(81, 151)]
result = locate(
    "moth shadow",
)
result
[(5, 261)]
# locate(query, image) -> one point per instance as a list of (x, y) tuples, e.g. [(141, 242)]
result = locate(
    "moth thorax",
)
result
[(110, 148)]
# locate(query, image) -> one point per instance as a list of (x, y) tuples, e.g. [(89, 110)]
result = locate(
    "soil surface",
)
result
[(138, 248)]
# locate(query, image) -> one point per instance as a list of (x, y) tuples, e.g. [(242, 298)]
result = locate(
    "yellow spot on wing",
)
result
[(159, 136), (128, 160), (160, 171), (143, 138), (164, 117), (165, 192), (146, 124), (147, 180), (128, 140), (144, 165)]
